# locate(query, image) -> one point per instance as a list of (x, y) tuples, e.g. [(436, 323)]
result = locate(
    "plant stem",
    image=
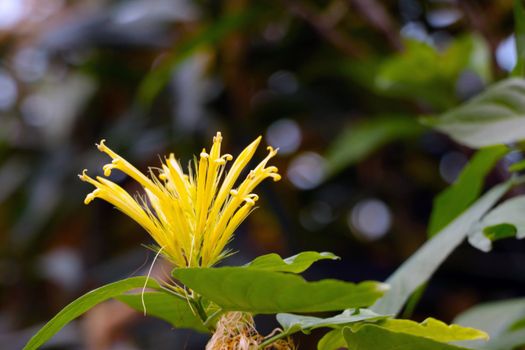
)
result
[(195, 301), (200, 310), (211, 318), (276, 337), (174, 293)]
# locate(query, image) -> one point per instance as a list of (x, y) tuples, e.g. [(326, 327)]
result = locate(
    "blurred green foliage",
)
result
[(339, 86), (424, 72), (467, 188)]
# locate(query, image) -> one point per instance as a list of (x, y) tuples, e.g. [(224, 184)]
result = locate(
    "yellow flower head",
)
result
[(191, 216)]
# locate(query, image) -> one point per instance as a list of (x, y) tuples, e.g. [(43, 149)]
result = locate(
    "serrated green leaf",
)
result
[(83, 304), (332, 340), (361, 139), (294, 323), (166, 307), (496, 116), (294, 264), (450, 203), (268, 292), (372, 337), (421, 265), (434, 329), (500, 222)]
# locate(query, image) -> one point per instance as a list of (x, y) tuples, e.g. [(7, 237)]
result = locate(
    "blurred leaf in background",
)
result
[(426, 73), (338, 86)]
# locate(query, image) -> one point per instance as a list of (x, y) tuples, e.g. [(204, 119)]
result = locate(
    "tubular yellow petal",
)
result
[(191, 217), (86, 178), (201, 191), (179, 183), (216, 148), (233, 224), (123, 165), (233, 174), (255, 177), (91, 196)]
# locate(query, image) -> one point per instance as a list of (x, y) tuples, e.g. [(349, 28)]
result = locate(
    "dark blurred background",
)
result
[(337, 85)]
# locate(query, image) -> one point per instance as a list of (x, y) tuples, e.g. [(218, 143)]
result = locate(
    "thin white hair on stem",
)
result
[(147, 280)]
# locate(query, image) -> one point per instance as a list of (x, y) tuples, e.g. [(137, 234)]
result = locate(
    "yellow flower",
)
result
[(191, 216)]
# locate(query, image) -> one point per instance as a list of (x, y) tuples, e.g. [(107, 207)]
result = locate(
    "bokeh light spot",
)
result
[(451, 165), (443, 17), (506, 53), (306, 170), (37, 110), (416, 31), (285, 134), (370, 219), (30, 64), (8, 91), (11, 12), (62, 266), (283, 81), (316, 216)]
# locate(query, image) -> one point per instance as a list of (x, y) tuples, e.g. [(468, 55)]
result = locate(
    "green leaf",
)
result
[(506, 220), (294, 264), (358, 70), (214, 33), (371, 337), (435, 83), (361, 139), (413, 300), (267, 292), (519, 23), (518, 325), (294, 323), (495, 318), (434, 329), (332, 340), (166, 307), (421, 265), (496, 116), (450, 203), (518, 166), (500, 231), (83, 304)]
